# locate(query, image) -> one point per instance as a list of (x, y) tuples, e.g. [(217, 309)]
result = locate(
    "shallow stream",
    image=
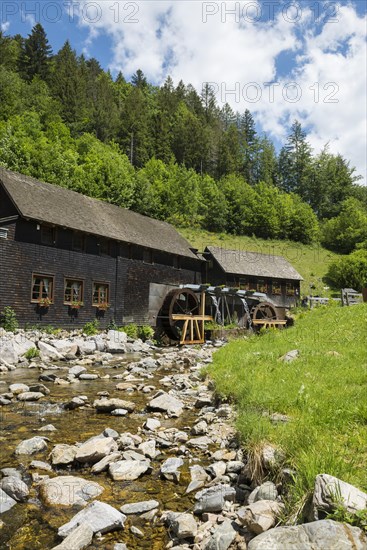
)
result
[(31, 525)]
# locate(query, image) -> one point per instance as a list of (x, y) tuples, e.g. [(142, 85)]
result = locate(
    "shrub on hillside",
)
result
[(347, 231), (350, 271)]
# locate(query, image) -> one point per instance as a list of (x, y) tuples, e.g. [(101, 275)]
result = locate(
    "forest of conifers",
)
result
[(168, 151)]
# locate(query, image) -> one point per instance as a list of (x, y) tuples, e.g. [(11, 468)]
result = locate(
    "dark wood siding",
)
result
[(128, 279), (213, 274)]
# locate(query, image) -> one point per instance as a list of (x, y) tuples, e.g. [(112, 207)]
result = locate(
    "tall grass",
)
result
[(323, 392)]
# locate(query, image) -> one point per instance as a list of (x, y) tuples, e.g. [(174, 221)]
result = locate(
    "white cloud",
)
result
[(5, 26), (202, 42)]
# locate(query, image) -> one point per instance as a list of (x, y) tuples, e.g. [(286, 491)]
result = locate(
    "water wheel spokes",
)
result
[(264, 311), (180, 301)]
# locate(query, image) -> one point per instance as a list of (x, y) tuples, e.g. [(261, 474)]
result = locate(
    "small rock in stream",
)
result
[(30, 396), (139, 507), (6, 502), (169, 469), (79, 538), (15, 488), (95, 449), (214, 498), (108, 405), (31, 446), (62, 454), (101, 517), (128, 470), (68, 491), (152, 424), (180, 525), (167, 403)]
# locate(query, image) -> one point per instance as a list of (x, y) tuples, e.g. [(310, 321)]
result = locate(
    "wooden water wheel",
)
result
[(178, 302), (265, 315), (264, 311)]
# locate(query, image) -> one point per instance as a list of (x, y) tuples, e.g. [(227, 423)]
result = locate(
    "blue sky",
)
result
[(281, 59)]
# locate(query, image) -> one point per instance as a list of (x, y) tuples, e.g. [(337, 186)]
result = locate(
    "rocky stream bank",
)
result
[(112, 443)]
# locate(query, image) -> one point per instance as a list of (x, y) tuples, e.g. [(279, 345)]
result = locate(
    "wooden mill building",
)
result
[(67, 259), (272, 275)]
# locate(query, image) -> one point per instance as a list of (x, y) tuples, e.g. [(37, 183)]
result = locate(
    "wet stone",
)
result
[(31, 446), (128, 470), (95, 449), (170, 469), (62, 454), (68, 491), (15, 488), (119, 412), (40, 465), (109, 405), (101, 517), (6, 502), (139, 507), (30, 396)]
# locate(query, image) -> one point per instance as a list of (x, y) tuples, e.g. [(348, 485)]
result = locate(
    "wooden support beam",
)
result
[(194, 324)]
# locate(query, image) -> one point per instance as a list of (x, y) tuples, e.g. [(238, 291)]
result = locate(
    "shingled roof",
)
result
[(242, 262), (56, 205)]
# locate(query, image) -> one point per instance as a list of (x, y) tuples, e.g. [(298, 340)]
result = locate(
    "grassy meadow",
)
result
[(311, 261), (323, 392)]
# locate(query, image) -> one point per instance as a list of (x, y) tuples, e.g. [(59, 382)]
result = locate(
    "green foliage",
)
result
[(145, 332), (350, 271), (112, 325), (166, 152), (32, 353), (332, 183), (357, 519), (9, 320), (348, 230), (131, 330), (322, 392), (49, 329), (91, 328), (35, 55)]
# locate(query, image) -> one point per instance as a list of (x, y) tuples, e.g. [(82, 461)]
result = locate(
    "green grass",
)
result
[(323, 391), (311, 261)]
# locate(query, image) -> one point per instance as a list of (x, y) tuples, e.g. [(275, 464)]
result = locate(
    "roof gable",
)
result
[(243, 262), (56, 205)]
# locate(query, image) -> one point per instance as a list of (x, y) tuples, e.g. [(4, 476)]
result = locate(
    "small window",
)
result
[(244, 284), (73, 293), (177, 262), (42, 289), (78, 242), (276, 288), (262, 286), (290, 289), (147, 256), (3, 233), (48, 235), (101, 294), (104, 247)]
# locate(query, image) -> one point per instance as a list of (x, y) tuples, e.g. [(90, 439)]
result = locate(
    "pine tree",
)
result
[(105, 114), (68, 85), (249, 146), (138, 79), (265, 161), (295, 163), (36, 54)]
